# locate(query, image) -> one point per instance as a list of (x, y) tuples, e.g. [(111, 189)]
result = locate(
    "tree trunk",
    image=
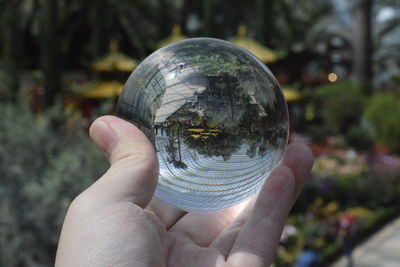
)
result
[(164, 27), (362, 70), (96, 13), (265, 20), (179, 146), (50, 48), (208, 9), (10, 52)]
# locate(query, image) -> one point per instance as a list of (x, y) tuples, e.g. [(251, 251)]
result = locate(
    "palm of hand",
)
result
[(161, 235), (117, 222), (124, 234), (132, 236)]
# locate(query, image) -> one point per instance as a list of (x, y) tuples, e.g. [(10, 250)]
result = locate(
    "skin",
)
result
[(118, 222)]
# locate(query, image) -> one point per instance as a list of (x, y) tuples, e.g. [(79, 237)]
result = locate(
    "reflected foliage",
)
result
[(214, 108)]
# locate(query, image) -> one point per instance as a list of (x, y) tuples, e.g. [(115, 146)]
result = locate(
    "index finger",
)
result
[(256, 242)]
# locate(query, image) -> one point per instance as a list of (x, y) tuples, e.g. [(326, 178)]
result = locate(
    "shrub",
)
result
[(318, 133), (383, 114), (359, 138), (43, 166), (340, 105)]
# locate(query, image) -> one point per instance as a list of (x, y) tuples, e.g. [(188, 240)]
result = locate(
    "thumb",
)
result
[(133, 173)]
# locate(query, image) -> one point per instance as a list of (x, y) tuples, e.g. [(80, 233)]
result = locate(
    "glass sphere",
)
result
[(216, 116)]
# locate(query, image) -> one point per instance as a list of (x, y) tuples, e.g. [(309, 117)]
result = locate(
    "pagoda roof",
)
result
[(99, 89), (176, 35), (114, 60), (265, 54), (291, 95)]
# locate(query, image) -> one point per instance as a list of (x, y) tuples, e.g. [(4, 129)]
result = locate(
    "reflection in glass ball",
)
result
[(216, 116)]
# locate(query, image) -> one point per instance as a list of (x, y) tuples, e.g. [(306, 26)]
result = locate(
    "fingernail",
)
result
[(103, 135)]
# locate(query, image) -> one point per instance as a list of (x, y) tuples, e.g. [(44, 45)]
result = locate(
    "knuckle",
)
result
[(139, 155)]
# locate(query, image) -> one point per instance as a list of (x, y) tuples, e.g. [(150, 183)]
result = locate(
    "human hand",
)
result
[(117, 222)]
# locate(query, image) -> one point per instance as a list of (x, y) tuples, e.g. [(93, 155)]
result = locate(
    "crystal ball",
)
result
[(217, 119)]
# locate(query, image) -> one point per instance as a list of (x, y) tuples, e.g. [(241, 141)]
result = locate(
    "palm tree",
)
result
[(301, 29), (134, 20), (300, 23), (62, 27)]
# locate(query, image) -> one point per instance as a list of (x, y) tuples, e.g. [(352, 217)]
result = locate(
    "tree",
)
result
[(174, 145), (133, 22), (383, 58), (10, 36), (300, 32), (386, 43), (363, 44), (265, 20), (50, 49)]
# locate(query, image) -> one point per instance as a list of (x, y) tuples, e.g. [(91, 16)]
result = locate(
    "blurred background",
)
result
[(63, 63)]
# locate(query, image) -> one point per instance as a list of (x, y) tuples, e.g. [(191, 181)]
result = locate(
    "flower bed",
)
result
[(350, 195)]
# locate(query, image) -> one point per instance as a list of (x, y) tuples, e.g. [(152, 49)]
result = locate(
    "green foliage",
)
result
[(383, 114), (318, 133), (369, 190), (330, 251), (291, 23), (359, 138), (380, 217), (340, 105), (378, 190), (43, 166)]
